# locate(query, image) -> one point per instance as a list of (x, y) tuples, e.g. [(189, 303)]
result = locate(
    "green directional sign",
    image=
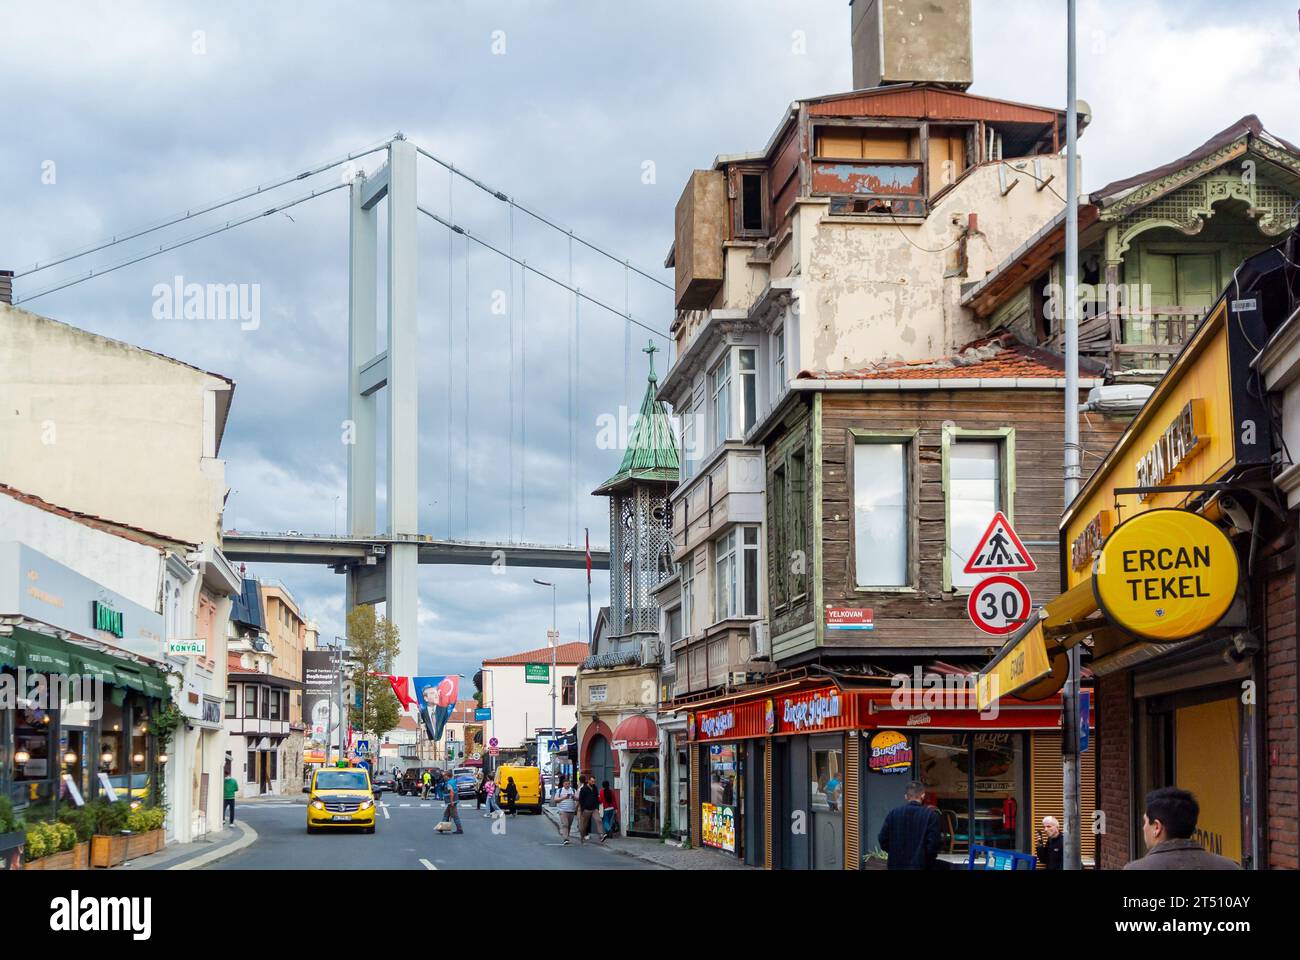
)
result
[(537, 673)]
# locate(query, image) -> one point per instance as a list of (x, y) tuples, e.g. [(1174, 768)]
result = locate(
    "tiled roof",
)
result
[(1000, 355), (566, 654)]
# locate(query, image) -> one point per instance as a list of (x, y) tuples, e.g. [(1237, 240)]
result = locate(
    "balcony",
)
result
[(894, 187), (1136, 343)]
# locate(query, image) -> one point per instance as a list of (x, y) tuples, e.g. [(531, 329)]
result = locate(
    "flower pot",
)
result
[(11, 850), (107, 851)]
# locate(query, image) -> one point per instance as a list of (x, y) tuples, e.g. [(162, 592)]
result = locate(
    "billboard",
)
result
[(320, 696), (435, 697)]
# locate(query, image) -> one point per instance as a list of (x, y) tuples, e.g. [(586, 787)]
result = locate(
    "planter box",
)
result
[(11, 850), (78, 858), (107, 851), (143, 844)]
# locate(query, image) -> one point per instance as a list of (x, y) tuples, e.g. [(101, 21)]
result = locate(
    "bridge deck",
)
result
[(343, 550)]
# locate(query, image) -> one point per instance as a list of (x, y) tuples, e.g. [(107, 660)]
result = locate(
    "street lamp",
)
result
[(554, 639)]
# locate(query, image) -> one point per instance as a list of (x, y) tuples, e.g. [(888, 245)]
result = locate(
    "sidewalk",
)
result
[(661, 854), (197, 853)]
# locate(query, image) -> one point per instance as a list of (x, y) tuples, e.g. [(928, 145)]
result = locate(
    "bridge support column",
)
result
[(359, 432)]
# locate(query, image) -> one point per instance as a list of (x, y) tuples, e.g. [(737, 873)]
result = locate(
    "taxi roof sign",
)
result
[(1000, 550)]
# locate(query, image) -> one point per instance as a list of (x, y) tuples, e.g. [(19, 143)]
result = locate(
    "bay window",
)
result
[(881, 512), (735, 574), (724, 577), (778, 363), (748, 391), (688, 595), (720, 389)]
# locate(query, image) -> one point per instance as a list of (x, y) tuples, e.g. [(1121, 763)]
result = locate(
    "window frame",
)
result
[(778, 364), (1005, 438), (738, 229), (250, 689), (720, 434), (724, 548), (687, 575), (748, 383), (912, 458), (232, 702)]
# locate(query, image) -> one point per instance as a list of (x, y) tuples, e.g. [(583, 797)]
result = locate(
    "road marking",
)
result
[(384, 807), (427, 864), (403, 804)]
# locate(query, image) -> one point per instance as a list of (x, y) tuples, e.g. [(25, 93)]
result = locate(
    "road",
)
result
[(404, 839)]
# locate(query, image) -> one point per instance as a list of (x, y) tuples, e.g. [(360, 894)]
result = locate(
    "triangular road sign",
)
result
[(1000, 550)]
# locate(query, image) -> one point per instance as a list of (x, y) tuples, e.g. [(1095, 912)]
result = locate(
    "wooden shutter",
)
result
[(767, 804), (1047, 791), (852, 781), (693, 796)]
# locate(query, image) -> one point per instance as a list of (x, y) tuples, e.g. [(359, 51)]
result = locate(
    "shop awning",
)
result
[(42, 654), (636, 733), (1032, 663)]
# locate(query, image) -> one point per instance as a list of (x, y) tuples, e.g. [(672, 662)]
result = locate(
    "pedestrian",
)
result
[(1051, 852), (512, 794), (588, 806), (230, 788), (451, 810), (426, 781), (910, 834), (608, 807), (566, 802), (490, 790), (480, 789), (1167, 828)]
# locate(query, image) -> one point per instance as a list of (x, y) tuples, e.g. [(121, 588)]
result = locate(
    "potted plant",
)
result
[(877, 859), (108, 842), (51, 846), (145, 824), (82, 821), (12, 837)]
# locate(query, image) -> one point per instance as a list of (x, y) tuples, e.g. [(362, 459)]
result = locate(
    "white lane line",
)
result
[(384, 807), (427, 864)]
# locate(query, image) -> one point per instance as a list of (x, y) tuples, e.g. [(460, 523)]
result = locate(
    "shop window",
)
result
[(884, 785), (568, 691), (976, 468), (141, 785), (826, 769), (33, 732), (881, 513), (979, 802), (719, 809)]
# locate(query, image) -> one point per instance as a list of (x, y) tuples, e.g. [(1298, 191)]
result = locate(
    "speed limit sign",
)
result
[(999, 604)]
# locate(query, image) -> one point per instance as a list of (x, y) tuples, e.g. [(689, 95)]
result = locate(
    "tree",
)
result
[(478, 687), (374, 642)]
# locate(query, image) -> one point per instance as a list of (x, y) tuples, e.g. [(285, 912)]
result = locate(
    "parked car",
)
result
[(464, 781), (383, 782), (411, 781)]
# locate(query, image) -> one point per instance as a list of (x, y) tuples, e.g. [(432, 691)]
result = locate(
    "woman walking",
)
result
[(490, 790), (608, 806), (512, 794), (566, 802)]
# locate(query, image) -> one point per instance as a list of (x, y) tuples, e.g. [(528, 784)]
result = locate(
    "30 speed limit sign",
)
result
[(999, 604)]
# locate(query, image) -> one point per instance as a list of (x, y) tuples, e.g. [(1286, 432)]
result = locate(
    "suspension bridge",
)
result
[(379, 560)]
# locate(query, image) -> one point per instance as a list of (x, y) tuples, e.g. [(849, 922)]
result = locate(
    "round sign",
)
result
[(998, 604), (1166, 575), (492, 742)]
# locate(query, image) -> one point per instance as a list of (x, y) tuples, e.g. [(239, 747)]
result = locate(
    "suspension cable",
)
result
[(541, 273), (197, 211), (164, 248), (506, 198)]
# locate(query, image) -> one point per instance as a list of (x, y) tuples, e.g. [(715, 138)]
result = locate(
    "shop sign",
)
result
[(718, 825), (636, 744), (1166, 575), (690, 726), (769, 716), (1180, 441), (597, 693), (811, 711), (890, 752), (537, 673), (718, 724), (190, 646), (1089, 541), (850, 618), (106, 618)]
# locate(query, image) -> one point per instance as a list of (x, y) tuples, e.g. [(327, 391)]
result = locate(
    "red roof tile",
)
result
[(999, 355), (568, 654)]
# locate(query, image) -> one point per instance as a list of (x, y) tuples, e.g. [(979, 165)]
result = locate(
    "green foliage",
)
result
[(36, 846), (109, 818), (9, 821), (375, 643), (145, 818), (45, 839), (80, 819)]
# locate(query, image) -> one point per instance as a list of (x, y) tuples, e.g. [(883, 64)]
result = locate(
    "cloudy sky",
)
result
[(593, 113)]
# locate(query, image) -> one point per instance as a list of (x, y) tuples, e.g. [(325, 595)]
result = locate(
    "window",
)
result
[(284, 705), (720, 388), (266, 703), (748, 391), (796, 521), (568, 691), (673, 625), (274, 713), (251, 776), (232, 702), (724, 577), (688, 594), (688, 442), (881, 525), (776, 531), (751, 213), (778, 363), (974, 495), (826, 769), (250, 701), (750, 572)]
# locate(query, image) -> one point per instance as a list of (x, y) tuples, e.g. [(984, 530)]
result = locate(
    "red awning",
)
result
[(636, 733)]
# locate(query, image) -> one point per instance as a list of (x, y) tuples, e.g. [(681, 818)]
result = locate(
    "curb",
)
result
[(226, 850)]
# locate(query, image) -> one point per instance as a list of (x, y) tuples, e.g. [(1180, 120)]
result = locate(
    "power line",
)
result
[(541, 273), (164, 248), (506, 198), (206, 208)]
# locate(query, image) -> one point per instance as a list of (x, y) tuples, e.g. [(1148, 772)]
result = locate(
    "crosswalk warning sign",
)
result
[(1000, 550)]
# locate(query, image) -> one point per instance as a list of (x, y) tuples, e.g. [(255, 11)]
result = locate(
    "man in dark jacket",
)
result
[(911, 834), (1051, 852), (1167, 828), (588, 811)]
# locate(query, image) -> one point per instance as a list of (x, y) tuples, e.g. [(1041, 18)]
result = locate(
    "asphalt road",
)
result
[(405, 840)]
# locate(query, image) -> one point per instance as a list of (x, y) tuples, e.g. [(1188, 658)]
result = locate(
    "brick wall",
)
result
[(1280, 714), (1114, 776)]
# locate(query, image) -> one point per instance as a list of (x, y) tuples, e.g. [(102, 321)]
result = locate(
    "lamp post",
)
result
[(339, 645), (554, 639)]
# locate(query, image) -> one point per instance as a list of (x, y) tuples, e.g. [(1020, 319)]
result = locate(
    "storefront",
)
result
[(801, 776), (1159, 552)]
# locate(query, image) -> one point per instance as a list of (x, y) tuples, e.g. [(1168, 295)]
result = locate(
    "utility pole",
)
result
[(339, 645), (1070, 700), (554, 638)]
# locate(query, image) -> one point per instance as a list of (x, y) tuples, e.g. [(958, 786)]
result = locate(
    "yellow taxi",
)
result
[(341, 797)]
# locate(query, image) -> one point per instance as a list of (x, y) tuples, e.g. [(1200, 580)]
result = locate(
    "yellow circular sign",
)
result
[(1166, 575)]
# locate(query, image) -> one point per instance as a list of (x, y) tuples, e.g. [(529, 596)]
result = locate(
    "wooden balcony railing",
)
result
[(1136, 338)]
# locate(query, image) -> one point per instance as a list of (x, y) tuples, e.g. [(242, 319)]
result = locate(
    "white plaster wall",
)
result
[(511, 699)]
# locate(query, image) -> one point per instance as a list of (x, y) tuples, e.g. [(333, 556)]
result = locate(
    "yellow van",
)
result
[(341, 797), (528, 781)]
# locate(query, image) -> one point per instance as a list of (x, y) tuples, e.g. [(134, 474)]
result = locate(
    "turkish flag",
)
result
[(402, 689)]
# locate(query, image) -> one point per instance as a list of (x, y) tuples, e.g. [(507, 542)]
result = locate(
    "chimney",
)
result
[(911, 41), (6, 286)]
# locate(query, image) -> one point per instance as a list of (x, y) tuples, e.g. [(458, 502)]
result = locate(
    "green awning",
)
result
[(95, 664), (8, 651), (155, 684), (42, 654)]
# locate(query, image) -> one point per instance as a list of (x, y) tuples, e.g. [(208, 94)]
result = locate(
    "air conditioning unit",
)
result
[(650, 651), (760, 641), (737, 678)]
